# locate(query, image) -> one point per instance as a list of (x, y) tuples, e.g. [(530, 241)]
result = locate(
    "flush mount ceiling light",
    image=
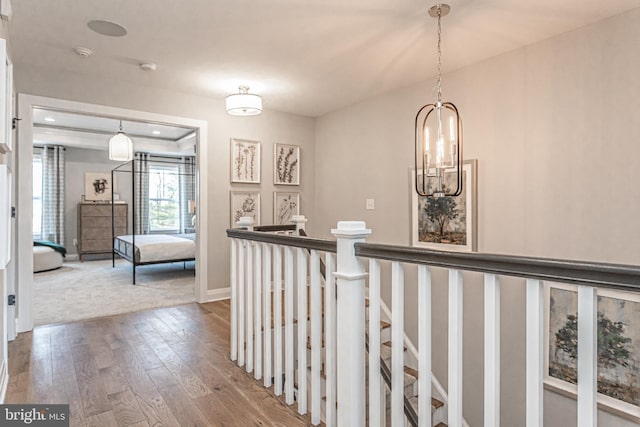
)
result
[(120, 147), (438, 137), (106, 28), (244, 103)]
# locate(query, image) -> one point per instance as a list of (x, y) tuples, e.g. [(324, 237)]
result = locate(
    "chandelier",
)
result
[(438, 137)]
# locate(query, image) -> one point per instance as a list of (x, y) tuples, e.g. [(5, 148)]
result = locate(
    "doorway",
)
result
[(27, 104)]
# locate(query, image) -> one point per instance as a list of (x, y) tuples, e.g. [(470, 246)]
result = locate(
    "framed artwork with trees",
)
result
[(618, 331), (447, 223)]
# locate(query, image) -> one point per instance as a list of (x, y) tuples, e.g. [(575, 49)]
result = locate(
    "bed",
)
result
[(146, 249)]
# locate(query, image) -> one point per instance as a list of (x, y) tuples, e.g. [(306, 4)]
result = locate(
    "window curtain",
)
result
[(53, 194), (141, 187), (187, 191)]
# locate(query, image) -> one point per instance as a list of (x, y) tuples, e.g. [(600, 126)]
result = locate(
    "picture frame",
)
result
[(244, 203), (245, 161), (447, 223), (285, 206), (618, 344), (97, 186), (286, 164)]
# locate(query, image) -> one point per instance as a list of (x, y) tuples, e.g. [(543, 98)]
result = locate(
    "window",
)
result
[(37, 196), (164, 198)]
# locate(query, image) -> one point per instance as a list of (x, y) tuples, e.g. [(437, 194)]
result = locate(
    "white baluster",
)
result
[(375, 385), (455, 348), (242, 254), (397, 344), (266, 281), (249, 297), (587, 356), (234, 299), (277, 319), (288, 325), (302, 329), (491, 351), (316, 336), (330, 339), (534, 352), (424, 343), (350, 286), (257, 371)]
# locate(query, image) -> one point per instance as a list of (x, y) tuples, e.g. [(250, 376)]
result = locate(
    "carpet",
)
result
[(84, 290)]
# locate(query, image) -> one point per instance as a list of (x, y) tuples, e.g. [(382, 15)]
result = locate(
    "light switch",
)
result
[(370, 204)]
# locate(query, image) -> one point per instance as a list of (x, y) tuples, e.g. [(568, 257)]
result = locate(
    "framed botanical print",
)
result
[(245, 161), (286, 164), (285, 206), (447, 223), (245, 203), (97, 186)]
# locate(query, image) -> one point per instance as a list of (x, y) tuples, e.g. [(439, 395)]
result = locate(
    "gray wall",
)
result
[(555, 129), (77, 162), (270, 127)]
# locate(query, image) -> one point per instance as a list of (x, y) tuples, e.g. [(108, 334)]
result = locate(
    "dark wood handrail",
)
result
[(617, 276), (285, 240)]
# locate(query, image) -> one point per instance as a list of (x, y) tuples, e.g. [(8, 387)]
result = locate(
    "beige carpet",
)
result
[(83, 290)]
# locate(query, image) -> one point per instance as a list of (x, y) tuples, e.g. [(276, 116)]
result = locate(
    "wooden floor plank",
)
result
[(164, 367)]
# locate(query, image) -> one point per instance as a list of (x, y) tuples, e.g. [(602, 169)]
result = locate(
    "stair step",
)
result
[(385, 351), (441, 424), (435, 403)]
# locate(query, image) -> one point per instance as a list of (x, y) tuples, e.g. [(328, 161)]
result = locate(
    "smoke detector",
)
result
[(148, 66), (83, 51)]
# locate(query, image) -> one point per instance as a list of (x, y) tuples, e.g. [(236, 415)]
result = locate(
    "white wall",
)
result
[(270, 127), (555, 128)]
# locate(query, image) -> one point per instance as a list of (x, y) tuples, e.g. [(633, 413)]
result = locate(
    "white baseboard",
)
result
[(218, 294), (72, 257), (4, 381)]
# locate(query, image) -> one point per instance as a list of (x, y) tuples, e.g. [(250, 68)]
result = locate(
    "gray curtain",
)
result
[(141, 190), (187, 190), (53, 194)]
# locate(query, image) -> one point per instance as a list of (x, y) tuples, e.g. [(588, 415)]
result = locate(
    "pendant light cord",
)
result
[(439, 54)]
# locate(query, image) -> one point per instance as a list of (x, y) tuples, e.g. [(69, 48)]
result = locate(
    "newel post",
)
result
[(245, 222), (299, 221), (350, 315)]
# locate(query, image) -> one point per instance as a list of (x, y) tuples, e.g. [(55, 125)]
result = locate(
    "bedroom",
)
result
[(75, 264)]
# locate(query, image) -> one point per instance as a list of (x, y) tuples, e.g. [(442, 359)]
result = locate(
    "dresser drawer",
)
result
[(102, 222), (103, 210), (101, 245), (101, 233)]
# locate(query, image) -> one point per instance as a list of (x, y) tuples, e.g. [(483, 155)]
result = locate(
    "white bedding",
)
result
[(161, 247)]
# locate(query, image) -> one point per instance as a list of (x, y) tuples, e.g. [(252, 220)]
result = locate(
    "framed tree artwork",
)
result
[(618, 332), (245, 161), (447, 223), (286, 164), (245, 203), (285, 206)]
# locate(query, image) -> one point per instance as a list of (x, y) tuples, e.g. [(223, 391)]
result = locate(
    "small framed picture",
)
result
[(286, 164), (97, 186), (245, 161), (285, 205), (245, 203)]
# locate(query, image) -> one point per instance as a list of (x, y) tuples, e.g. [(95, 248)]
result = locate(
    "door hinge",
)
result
[(14, 122), (12, 300)]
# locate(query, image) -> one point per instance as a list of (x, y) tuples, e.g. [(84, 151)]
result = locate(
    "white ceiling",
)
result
[(303, 56)]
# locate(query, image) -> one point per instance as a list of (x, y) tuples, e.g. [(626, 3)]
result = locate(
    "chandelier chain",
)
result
[(439, 54)]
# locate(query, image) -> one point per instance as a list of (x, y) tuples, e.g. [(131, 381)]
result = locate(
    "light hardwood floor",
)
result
[(162, 367)]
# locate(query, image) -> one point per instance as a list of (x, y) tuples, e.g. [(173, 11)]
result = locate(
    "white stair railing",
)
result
[(259, 269)]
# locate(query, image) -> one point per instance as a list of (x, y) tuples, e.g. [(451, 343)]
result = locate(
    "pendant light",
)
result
[(438, 137), (244, 103), (120, 147)]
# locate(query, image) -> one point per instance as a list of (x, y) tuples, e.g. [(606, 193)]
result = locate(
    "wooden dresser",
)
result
[(94, 227)]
